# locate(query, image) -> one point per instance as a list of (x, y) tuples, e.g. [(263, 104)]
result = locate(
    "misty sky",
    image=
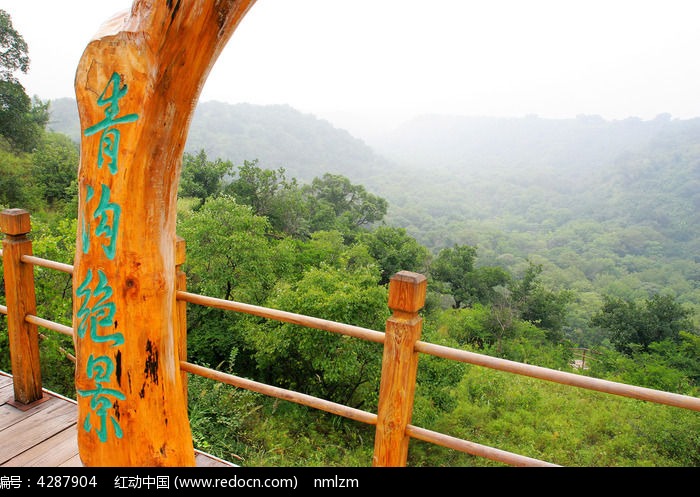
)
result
[(375, 62)]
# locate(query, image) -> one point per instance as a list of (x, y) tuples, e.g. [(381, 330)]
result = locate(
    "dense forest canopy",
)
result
[(538, 237), (605, 207)]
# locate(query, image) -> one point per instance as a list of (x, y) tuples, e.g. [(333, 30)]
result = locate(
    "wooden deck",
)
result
[(45, 433)]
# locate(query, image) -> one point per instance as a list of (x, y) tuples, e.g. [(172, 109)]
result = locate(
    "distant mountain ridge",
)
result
[(275, 135), (438, 171), (306, 146), (477, 143)]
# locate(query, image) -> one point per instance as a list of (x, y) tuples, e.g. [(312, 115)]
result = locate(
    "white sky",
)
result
[(377, 61)]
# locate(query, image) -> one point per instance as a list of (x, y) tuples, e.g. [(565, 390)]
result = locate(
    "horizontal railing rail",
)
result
[(553, 375), (284, 316)]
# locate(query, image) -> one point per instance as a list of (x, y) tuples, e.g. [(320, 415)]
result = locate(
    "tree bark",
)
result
[(137, 85)]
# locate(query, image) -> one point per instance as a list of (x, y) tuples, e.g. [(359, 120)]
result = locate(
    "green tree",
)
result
[(54, 239), (336, 203), (14, 54), (634, 325), (229, 256), (328, 365), (468, 327), (323, 247), (503, 318), (270, 194), (21, 119), (668, 365), (17, 188), (485, 282), (200, 177), (55, 168), (395, 251), (450, 270), (540, 306)]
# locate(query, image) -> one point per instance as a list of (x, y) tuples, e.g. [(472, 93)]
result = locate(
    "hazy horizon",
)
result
[(366, 65)]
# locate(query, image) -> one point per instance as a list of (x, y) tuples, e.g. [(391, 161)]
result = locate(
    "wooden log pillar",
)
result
[(137, 85), (399, 369), (21, 301), (181, 307)]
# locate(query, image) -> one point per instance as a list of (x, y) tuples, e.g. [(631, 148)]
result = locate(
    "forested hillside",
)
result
[(606, 207), (276, 136), (537, 237), (534, 250), (609, 208)]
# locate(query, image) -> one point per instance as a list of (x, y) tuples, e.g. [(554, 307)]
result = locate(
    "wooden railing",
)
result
[(401, 340)]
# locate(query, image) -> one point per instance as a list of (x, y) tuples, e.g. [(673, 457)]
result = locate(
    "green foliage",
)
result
[(559, 424), (468, 327), (452, 267), (336, 203), (17, 188), (323, 247), (55, 169), (482, 328), (328, 365), (436, 379), (529, 344), (631, 324), (54, 239), (282, 434), (486, 283), (271, 195), (395, 251), (684, 356), (219, 415), (21, 120), (262, 244), (14, 54), (668, 365), (229, 256), (201, 178), (538, 305)]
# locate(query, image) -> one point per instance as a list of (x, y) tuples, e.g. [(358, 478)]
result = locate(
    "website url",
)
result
[(235, 482)]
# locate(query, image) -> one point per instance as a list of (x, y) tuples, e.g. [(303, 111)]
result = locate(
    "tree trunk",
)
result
[(137, 85)]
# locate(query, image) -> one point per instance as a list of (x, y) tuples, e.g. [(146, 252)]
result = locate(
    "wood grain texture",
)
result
[(399, 369), (46, 433), (137, 84), (21, 301)]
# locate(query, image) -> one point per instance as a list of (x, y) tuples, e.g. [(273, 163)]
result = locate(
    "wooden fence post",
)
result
[(21, 301), (399, 367), (181, 307), (137, 84)]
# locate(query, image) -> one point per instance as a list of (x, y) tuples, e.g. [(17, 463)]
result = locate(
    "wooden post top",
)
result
[(407, 291), (15, 222)]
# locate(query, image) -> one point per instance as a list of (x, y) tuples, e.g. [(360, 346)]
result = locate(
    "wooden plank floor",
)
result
[(45, 434)]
